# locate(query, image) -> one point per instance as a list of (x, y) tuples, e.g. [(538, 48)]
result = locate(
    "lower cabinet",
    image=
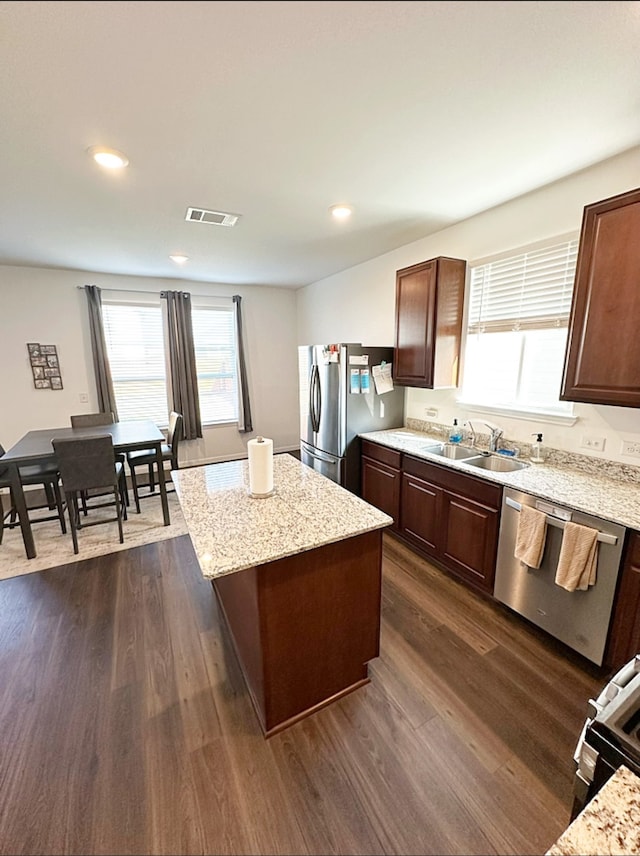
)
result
[(624, 632), (421, 502), (453, 518), (380, 475), (445, 515)]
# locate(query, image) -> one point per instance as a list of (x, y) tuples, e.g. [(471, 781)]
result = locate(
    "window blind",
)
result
[(214, 340), (528, 291), (135, 346), (517, 329)]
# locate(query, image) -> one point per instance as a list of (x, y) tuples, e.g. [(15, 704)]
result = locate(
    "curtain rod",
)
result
[(154, 293)]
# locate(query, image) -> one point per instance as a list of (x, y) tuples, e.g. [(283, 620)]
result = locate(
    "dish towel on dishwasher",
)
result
[(531, 536), (578, 558)]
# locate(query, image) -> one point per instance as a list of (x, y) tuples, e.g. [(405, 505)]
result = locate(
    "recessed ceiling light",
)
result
[(341, 211), (179, 259), (109, 158)]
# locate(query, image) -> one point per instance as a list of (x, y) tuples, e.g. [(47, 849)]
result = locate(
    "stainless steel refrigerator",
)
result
[(338, 401)]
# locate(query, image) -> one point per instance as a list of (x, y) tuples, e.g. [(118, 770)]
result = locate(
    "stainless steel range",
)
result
[(610, 736), (580, 619)]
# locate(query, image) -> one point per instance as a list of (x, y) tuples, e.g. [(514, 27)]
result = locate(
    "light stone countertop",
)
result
[(231, 530), (600, 495), (609, 824)]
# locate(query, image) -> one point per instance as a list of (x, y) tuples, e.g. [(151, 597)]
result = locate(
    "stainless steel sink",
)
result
[(450, 450), (496, 463)]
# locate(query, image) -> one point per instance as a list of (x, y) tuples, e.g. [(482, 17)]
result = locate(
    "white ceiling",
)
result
[(420, 114)]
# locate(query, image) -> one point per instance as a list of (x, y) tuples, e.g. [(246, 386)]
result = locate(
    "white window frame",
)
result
[(564, 414)]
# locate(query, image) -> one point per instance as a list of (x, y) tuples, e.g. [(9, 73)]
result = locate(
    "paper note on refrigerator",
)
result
[(382, 378)]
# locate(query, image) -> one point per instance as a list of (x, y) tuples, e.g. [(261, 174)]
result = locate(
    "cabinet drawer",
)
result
[(391, 457), (478, 489)]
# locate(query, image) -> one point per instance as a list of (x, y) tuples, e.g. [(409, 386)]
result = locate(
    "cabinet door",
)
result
[(381, 487), (602, 364), (429, 299), (415, 324), (420, 506), (470, 532), (624, 634)]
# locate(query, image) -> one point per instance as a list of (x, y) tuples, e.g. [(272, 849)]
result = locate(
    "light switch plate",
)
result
[(596, 444)]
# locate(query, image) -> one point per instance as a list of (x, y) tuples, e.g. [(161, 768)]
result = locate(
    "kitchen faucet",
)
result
[(472, 441), (494, 438)]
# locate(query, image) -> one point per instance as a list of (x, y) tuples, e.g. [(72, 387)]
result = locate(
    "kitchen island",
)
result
[(298, 577)]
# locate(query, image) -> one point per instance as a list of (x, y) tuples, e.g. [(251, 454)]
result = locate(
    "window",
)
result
[(135, 339), (135, 345), (517, 330), (214, 338)]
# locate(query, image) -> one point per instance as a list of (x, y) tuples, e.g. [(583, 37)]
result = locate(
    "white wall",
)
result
[(46, 306), (359, 304)]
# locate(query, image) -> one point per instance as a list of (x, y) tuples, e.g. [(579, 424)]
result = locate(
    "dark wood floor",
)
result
[(125, 725)]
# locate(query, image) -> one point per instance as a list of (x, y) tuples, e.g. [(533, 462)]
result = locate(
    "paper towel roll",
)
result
[(260, 466)]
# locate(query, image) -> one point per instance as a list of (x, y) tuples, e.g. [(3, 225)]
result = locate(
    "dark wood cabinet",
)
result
[(421, 510), (602, 364), (451, 517), (429, 301), (470, 533), (624, 634), (445, 515), (380, 478)]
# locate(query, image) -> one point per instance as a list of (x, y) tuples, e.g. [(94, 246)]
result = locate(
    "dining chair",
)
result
[(87, 463), (91, 420), (45, 475), (147, 458)]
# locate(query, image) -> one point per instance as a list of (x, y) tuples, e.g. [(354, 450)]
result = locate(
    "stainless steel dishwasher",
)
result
[(580, 619)]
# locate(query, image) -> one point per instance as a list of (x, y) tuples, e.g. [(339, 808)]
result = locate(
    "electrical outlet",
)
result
[(431, 412), (596, 444), (629, 447)]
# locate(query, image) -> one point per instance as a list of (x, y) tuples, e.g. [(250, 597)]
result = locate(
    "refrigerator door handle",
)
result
[(312, 415), (326, 459), (316, 399)]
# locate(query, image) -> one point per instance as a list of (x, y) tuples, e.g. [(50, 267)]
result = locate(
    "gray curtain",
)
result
[(244, 405), (104, 382), (182, 362)]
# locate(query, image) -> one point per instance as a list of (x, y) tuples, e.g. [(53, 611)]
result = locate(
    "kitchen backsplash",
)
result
[(557, 457)]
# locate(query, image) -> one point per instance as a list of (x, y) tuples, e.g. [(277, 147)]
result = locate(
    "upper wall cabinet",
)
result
[(602, 364), (429, 300)]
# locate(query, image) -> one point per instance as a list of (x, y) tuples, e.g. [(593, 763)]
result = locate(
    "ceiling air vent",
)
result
[(216, 218)]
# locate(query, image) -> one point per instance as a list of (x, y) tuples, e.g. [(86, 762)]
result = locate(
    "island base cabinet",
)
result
[(304, 627)]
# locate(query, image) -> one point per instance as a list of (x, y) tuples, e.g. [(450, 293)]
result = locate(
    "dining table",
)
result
[(36, 447)]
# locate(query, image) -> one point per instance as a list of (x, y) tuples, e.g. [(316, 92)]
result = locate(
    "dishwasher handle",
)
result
[(603, 537)]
